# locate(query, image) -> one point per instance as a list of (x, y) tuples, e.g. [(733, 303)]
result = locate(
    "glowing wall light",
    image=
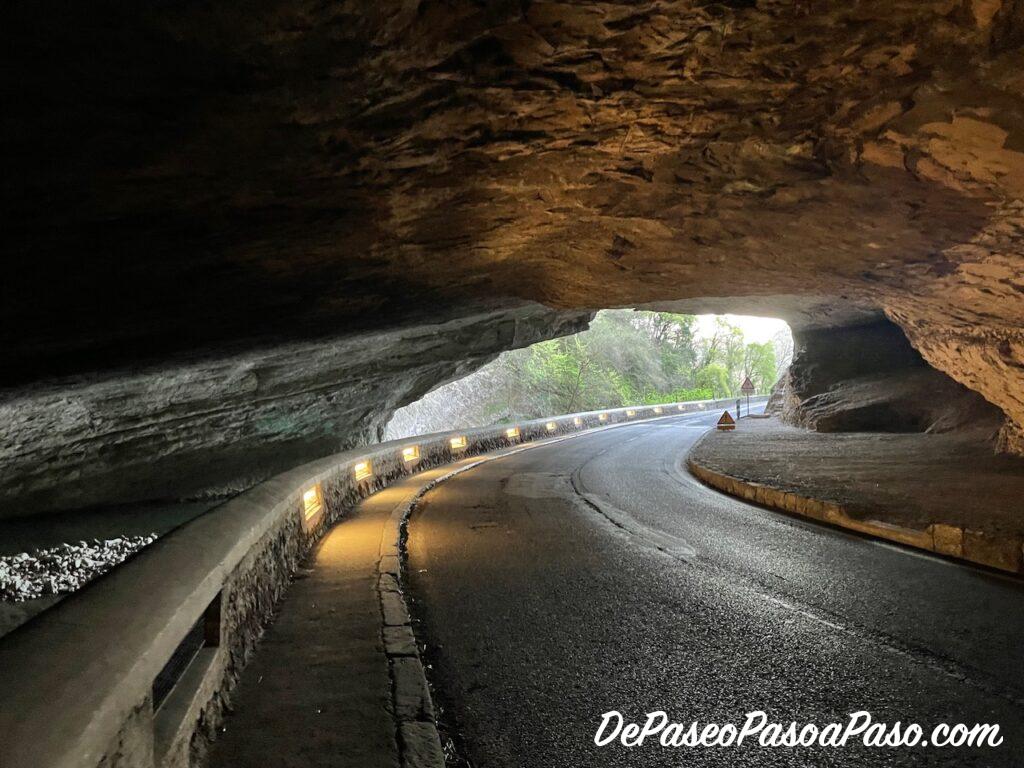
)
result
[(363, 470), (512, 433), (631, 413), (679, 407), (658, 410), (603, 417), (578, 421), (457, 443), (412, 453), (312, 502), (551, 426)]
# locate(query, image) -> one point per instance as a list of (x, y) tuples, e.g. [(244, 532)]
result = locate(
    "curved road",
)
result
[(594, 574)]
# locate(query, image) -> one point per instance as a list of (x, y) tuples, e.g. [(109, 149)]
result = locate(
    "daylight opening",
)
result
[(626, 358)]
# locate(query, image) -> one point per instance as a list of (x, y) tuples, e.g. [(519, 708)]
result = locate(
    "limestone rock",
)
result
[(262, 186)]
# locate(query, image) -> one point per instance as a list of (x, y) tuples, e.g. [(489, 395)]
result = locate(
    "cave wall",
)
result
[(193, 192), (216, 426), (868, 377)]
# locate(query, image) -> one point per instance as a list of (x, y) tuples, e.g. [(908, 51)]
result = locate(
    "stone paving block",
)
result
[(412, 697)]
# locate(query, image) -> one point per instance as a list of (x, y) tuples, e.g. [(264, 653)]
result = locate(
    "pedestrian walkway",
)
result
[(319, 689)]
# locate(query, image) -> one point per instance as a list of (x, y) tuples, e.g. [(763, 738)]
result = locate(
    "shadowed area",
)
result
[(243, 234)]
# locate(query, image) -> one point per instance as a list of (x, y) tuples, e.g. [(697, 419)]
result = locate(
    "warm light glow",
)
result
[(457, 443), (603, 417), (578, 421), (551, 426), (311, 503), (631, 413), (512, 433), (658, 409), (412, 453), (363, 470), (679, 407)]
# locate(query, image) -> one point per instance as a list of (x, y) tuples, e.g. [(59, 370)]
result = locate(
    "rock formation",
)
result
[(204, 198)]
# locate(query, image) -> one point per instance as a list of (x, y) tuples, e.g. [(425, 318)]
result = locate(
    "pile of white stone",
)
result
[(65, 568)]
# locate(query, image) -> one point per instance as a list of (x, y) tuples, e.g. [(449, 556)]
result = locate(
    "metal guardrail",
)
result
[(77, 681)]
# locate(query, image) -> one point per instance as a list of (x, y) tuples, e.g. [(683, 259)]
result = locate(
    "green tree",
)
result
[(759, 365), (625, 358), (715, 378)]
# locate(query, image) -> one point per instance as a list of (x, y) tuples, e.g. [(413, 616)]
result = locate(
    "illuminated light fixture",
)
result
[(551, 426), (631, 413), (312, 502), (578, 421), (363, 470), (603, 417), (512, 433), (412, 453), (457, 443), (679, 407), (658, 410)]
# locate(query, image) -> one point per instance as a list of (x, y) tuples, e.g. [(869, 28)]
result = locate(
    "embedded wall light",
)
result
[(312, 502), (551, 426), (512, 433), (578, 421), (411, 453), (457, 443), (363, 470)]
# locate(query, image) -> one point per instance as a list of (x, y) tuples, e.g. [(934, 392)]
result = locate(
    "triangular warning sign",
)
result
[(747, 387), (727, 421)]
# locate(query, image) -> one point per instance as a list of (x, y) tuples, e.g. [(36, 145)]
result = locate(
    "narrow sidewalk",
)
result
[(322, 687)]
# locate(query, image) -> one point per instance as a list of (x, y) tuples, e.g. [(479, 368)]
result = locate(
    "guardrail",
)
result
[(136, 668)]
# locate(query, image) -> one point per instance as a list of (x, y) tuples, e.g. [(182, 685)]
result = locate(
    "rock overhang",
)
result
[(190, 181)]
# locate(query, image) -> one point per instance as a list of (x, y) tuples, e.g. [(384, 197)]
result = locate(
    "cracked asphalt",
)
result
[(596, 574)]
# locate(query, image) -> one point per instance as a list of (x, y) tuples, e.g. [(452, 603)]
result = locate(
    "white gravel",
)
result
[(62, 569)]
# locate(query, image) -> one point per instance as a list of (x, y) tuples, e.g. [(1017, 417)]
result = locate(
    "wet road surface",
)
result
[(596, 574)]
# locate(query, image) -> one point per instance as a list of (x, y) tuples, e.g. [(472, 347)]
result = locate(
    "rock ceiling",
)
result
[(199, 179)]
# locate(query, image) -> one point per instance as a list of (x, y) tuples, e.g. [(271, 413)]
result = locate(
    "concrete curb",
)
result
[(976, 547), (418, 737)]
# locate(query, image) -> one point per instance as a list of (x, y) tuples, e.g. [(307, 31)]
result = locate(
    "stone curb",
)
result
[(1004, 553), (418, 737)]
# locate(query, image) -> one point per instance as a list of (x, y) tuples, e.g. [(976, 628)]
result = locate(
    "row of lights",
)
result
[(312, 499)]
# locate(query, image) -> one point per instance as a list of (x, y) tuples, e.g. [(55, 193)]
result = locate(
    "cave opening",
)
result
[(626, 357)]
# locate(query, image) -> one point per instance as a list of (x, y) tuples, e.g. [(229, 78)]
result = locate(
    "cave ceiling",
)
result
[(194, 178)]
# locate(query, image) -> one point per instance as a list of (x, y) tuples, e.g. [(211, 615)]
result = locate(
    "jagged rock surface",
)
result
[(215, 427), (869, 378), (189, 179)]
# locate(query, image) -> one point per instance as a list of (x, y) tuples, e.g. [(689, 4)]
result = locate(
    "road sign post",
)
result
[(747, 388)]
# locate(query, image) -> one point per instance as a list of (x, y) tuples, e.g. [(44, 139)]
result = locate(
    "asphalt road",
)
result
[(596, 574)]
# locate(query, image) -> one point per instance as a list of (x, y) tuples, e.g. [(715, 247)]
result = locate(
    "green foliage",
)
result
[(626, 358), (678, 396), (759, 365), (715, 378)]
